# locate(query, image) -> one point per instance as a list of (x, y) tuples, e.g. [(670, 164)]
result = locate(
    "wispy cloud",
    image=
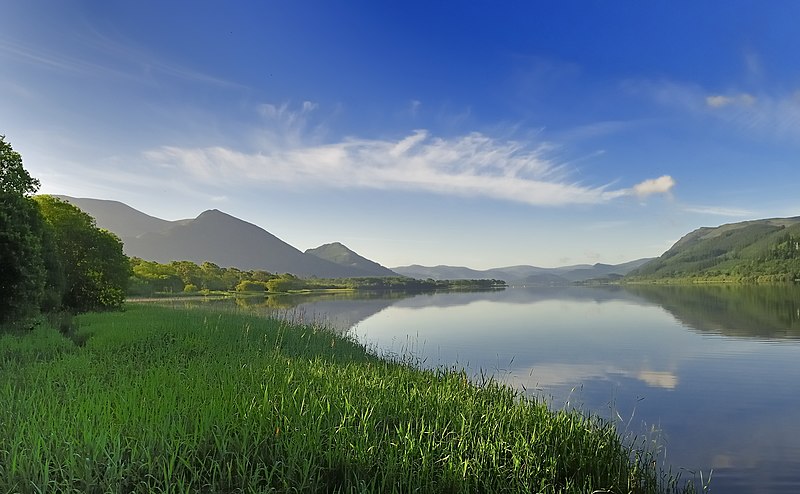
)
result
[(720, 211), (721, 100), (472, 164), (105, 57)]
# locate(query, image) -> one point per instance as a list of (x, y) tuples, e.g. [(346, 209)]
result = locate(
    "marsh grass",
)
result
[(165, 400)]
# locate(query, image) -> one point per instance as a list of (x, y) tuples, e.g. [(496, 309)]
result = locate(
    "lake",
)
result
[(710, 374)]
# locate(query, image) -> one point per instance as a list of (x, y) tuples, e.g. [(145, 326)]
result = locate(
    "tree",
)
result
[(14, 179), (23, 274), (96, 272), (159, 277), (22, 271)]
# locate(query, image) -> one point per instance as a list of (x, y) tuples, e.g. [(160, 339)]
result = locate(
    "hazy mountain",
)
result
[(340, 254), (600, 270), (746, 250), (119, 218), (228, 241), (213, 236), (526, 275), (440, 272)]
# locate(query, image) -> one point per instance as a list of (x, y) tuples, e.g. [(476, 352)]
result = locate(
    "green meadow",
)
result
[(155, 399)]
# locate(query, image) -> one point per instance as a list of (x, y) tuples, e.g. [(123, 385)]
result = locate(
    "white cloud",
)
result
[(660, 185), (467, 165), (720, 101)]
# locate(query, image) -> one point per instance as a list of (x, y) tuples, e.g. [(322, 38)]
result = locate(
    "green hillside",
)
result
[(750, 251)]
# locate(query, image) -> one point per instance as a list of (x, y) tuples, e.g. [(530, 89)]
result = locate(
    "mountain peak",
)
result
[(340, 254), (211, 213)]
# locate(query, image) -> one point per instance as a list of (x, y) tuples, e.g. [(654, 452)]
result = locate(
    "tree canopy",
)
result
[(52, 255), (14, 179), (22, 269), (96, 271)]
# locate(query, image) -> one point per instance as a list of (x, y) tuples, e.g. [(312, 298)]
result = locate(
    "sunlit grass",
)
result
[(164, 400)]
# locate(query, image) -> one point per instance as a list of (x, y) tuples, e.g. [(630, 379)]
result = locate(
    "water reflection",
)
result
[(732, 310)]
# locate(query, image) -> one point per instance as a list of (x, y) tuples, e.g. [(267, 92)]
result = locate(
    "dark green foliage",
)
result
[(23, 276), (14, 179), (95, 270), (22, 270)]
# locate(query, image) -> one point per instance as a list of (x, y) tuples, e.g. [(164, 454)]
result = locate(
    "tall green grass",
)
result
[(164, 400)]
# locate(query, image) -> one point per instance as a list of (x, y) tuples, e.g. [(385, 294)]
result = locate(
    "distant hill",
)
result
[(120, 218), (760, 250), (440, 272), (339, 254), (213, 236), (525, 275)]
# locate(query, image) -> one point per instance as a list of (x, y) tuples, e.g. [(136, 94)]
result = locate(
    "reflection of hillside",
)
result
[(731, 310), (339, 310), (525, 295)]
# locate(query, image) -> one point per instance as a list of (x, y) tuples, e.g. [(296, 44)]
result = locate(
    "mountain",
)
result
[(758, 250), (213, 236), (119, 218), (341, 255), (228, 241), (440, 272), (523, 274)]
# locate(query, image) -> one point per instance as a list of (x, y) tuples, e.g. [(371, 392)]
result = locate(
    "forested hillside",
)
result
[(751, 251)]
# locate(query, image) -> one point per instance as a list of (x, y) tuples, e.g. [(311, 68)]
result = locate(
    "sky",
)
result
[(473, 133)]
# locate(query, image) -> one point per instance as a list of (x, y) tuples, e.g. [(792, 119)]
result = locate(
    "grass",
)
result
[(165, 400)]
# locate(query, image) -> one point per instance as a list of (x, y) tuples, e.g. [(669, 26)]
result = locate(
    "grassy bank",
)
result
[(163, 400)]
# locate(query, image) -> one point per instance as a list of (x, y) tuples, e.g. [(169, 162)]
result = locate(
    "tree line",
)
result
[(151, 278), (53, 258)]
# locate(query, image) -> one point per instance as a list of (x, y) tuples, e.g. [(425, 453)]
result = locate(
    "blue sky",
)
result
[(466, 133)]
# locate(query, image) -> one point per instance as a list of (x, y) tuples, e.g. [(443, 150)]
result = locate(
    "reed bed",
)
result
[(166, 400)]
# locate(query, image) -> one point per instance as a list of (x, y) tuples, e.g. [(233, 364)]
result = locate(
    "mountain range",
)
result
[(524, 274), (228, 241), (219, 238)]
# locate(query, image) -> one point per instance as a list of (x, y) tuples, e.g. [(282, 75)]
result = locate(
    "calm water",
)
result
[(711, 373)]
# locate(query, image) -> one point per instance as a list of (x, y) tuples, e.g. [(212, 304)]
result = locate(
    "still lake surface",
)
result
[(710, 373)]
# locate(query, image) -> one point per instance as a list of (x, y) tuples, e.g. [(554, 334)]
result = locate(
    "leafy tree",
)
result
[(14, 179), (23, 274), (251, 286), (213, 276), (189, 272), (159, 277), (22, 271), (285, 283), (96, 271)]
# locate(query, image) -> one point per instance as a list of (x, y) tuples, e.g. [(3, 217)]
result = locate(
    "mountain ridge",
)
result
[(753, 250), (522, 274), (213, 236)]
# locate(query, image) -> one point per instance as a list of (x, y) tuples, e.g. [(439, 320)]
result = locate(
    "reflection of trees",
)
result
[(339, 310), (733, 310)]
